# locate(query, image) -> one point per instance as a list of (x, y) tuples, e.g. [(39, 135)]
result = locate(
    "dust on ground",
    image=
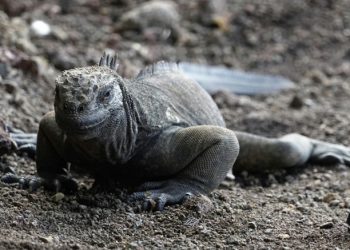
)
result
[(307, 41)]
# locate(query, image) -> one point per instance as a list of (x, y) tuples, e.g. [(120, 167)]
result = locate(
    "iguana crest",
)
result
[(109, 61), (158, 68)]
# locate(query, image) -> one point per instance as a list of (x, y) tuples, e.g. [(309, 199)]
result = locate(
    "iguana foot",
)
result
[(328, 153), (12, 139), (24, 142), (154, 196), (319, 152), (61, 183), (28, 182)]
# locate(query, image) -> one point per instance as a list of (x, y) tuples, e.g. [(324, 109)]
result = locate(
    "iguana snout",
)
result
[(73, 124)]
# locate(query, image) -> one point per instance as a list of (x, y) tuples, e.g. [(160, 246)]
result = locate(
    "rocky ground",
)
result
[(304, 40)]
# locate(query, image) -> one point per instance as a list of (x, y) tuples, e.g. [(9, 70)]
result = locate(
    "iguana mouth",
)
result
[(80, 124)]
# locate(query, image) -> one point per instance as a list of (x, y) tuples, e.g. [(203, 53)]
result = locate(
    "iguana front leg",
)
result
[(50, 162), (198, 159)]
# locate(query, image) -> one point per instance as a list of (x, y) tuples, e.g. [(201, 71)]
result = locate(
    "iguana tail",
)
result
[(215, 78), (258, 154)]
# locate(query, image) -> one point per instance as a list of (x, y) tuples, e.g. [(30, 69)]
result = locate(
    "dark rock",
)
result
[(9, 86), (66, 6), (296, 103), (151, 15), (3, 70), (63, 61), (15, 8), (252, 225), (327, 225)]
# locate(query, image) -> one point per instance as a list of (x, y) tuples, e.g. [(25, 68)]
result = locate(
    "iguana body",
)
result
[(161, 133)]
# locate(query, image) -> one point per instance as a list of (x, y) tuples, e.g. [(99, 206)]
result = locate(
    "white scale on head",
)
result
[(171, 116)]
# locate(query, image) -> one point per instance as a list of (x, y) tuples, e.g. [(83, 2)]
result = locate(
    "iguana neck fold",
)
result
[(123, 144)]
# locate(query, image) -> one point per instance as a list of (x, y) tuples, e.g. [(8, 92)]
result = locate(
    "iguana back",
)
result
[(169, 98)]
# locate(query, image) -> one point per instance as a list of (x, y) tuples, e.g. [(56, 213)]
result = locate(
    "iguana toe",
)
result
[(155, 200), (61, 183), (64, 184), (33, 183), (30, 149)]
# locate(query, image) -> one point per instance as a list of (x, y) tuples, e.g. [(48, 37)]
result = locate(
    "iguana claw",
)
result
[(162, 194)]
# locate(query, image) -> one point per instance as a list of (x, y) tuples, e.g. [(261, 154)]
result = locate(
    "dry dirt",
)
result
[(305, 40)]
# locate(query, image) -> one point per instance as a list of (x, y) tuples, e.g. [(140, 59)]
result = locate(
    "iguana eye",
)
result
[(105, 95)]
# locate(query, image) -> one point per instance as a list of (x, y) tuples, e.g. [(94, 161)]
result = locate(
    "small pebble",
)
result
[(296, 102), (58, 197), (318, 76), (334, 203), (283, 236), (199, 203), (82, 207), (48, 239), (40, 28), (329, 197)]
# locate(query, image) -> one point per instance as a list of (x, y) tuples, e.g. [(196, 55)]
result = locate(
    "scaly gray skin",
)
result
[(161, 133)]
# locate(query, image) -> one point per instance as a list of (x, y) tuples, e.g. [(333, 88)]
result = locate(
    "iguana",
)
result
[(160, 133)]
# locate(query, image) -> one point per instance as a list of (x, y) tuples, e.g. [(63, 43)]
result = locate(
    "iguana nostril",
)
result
[(81, 108), (68, 108), (65, 107)]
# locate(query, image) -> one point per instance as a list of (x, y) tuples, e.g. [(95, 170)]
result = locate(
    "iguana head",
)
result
[(85, 98)]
